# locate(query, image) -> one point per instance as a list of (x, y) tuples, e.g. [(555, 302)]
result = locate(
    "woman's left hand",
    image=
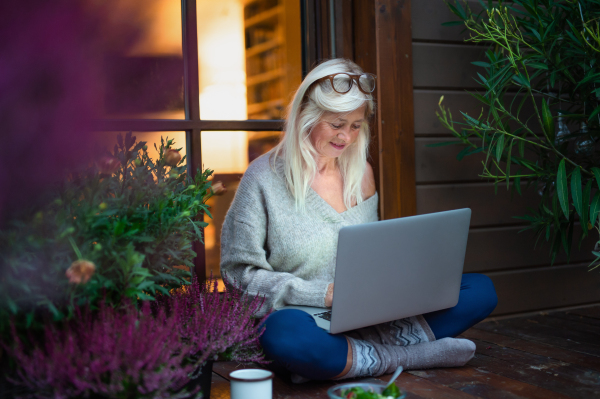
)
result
[(329, 295)]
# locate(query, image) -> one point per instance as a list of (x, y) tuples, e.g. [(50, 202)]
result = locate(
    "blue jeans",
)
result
[(294, 342)]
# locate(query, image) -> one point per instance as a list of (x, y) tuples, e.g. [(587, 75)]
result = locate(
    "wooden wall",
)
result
[(524, 279)]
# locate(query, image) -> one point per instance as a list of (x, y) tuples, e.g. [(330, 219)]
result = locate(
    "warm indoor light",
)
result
[(222, 82)]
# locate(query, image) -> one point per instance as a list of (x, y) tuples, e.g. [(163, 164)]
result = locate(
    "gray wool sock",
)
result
[(408, 331), (372, 359)]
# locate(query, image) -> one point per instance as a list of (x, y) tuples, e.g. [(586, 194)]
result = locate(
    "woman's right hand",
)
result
[(329, 295)]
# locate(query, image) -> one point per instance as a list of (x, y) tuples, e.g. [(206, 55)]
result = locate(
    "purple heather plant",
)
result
[(147, 353), (217, 325), (109, 353)]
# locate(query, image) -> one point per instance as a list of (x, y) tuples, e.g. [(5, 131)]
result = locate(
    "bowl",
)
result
[(335, 392)]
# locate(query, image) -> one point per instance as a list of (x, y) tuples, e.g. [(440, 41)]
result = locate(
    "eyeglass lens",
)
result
[(367, 82), (342, 83)]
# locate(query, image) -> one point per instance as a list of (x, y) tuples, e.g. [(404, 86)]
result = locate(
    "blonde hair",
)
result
[(310, 103)]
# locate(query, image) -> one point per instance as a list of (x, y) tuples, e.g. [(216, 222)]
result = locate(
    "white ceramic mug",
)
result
[(251, 384)]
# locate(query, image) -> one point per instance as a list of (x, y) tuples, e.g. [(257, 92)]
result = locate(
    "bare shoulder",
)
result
[(368, 182)]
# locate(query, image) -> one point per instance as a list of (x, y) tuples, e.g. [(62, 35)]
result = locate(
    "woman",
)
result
[(280, 235)]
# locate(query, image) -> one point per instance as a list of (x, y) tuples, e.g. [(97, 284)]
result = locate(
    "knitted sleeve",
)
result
[(244, 256)]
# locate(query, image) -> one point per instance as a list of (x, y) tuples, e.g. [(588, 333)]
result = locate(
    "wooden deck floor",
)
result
[(547, 356)]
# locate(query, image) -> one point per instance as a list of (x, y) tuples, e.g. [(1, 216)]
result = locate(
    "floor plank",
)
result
[(592, 331), (571, 340), (219, 388), (224, 368), (580, 359), (483, 384), (568, 316), (553, 375), (593, 312)]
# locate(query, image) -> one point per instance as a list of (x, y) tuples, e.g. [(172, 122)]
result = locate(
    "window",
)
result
[(222, 87)]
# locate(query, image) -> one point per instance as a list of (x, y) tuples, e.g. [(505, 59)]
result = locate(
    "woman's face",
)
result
[(335, 132)]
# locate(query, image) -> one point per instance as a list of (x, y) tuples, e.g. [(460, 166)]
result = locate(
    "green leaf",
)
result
[(594, 113), (119, 228), (162, 289), (595, 208), (465, 151), (196, 229), (586, 205), (136, 280), (547, 121), (29, 319), (536, 34), (596, 172), (391, 390), (521, 148), (576, 191), (561, 187), (480, 98), (471, 120), (481, 64), (589, 77), (145, 285), (521, 80), (500, 147), (508, 161), (461, 10), (145, 297), (132, 292), (141, 271), (53, 310), (538, 65), (166, 276), (12, 306)]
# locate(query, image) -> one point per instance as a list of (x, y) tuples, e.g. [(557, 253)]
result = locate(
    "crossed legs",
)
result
[(294, 342)]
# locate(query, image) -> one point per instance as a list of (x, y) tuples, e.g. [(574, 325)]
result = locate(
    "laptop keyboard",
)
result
[(324, 315)]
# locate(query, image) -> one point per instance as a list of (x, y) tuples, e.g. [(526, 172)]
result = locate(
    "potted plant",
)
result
[(102, 269), (155, 350), (543, 53)]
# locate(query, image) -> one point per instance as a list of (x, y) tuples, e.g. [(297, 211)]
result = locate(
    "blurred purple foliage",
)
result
[(51, 87)]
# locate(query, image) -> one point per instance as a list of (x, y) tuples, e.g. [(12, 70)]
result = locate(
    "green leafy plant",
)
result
[(121, 229), (544, 54)]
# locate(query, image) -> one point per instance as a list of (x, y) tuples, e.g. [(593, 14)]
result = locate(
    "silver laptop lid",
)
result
[(397, 268)]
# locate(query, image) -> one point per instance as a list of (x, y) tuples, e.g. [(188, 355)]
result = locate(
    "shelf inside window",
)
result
[(259, 107), (264, 77), (265, 16), (263, 47)]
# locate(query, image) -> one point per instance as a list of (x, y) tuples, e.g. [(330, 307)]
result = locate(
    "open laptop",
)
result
[(397, 268)]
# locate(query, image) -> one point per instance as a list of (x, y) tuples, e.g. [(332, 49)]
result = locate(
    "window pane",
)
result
[(145, 79), (254, 144), (249, 57)]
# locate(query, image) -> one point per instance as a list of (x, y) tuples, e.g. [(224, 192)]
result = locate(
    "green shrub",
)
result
[(123, 228), (543, 53)]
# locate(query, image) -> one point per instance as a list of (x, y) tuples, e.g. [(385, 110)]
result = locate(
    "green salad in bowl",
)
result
[(365, 390)]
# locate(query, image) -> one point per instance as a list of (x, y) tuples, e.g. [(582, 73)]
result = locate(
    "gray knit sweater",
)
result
[(272, 250)]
